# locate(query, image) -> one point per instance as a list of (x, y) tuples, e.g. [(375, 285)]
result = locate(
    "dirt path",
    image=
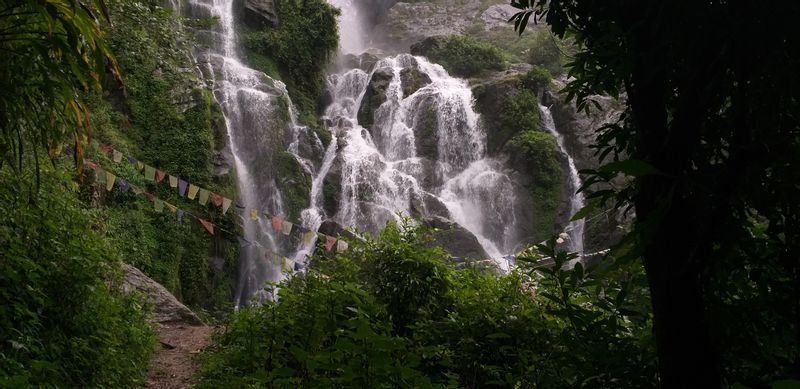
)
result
[(173, 368)]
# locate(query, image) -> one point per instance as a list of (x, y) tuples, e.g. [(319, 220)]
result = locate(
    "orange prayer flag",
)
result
[(160, 174), (277, 223), (207, 224), (217, 199), (329, 242)]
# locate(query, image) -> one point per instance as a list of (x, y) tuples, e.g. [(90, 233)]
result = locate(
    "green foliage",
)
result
[(64, 320), (463, 56), (537, 153), (294, 182), (300, 45), (391, 312), (52, 50), (537, 79)]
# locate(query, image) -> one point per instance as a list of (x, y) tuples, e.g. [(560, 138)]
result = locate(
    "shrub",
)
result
[(63, 320), (466, 57)]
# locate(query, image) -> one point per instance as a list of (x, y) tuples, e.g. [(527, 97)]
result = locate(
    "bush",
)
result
[(63, 319), (463, 56), (391, 312)]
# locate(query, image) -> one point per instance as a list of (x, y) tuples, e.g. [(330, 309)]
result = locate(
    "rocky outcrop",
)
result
[(412, 79), (260, 13), (374, 96), (454, 239), (410, 22), (496, 17), (427, 45), (166, 308)]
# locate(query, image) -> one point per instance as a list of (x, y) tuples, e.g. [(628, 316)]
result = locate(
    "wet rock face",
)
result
[(455, 239), (409, 22), (412, 80), (260, 13), (374, 96)]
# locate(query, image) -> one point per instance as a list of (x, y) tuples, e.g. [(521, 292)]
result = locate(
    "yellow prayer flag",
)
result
[(171, 207), (110, 180), (287, 264), (308, 237), (253, 214), (193, 191), (139, 165)]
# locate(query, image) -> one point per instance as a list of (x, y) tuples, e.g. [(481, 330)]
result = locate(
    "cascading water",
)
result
[(251, 101), (575, 228), (424, 154)]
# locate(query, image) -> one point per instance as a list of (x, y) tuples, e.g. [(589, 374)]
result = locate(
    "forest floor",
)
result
[(173, 366)]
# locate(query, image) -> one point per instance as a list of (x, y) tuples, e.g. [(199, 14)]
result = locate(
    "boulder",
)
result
[(425, 46), (364, 61), (496, 17), (412, 79), (408, 22), (166, 308), (259, 14), (374, 96), (454, 239)]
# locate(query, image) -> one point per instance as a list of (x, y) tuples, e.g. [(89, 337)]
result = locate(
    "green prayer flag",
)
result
[(149, 173), (203, 198), (100, 175), (158, 205)]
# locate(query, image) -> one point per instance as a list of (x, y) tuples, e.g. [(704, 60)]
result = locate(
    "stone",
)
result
[(408, 22), (166, 308), (454, 239), (412, 80), (374, 96), (259, 14), (496, 17)]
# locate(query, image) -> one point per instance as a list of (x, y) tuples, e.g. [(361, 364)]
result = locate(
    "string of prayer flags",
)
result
[(277, 223), (226, 203), (193, 191), (124, 186), (182, 188), (329, 242), (158, 205), (341, 245), (110, 180), (253, 214), (286, 227), (179, 216), (209, 227), (173, 181), (203, 198), (116, 156), (149, 173), (160, 174), (308, 237), (216, 199)]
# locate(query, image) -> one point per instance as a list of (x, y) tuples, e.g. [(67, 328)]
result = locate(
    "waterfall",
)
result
[(424, 154), (575, 228), (250, 101)]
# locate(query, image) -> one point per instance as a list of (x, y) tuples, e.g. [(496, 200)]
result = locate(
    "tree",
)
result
[(711, 137), (52, 50)]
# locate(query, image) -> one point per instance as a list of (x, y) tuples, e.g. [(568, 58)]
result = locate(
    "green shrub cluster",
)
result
[(464, 56), (392, 312), (64, 321)]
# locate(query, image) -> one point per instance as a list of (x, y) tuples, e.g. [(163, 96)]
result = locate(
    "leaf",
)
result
[(583, 212)]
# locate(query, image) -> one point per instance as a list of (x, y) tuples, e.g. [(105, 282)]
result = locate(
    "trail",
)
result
[(173, 366)]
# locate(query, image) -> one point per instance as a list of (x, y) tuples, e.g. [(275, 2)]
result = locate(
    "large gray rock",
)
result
[(454, 239), (260, 13), (166, 308), (496, 17), (407, 23), (374, 96)]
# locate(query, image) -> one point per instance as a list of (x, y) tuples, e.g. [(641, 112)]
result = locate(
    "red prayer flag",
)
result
[(329, 242), (105, 148), (149, 196), (207, 224), (277, 223), (160, 174), (91, 165), (217, 199)]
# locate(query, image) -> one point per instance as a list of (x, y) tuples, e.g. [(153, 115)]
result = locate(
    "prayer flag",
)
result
[(132, 161), (217, 199), (158, 205), (203, 198), (171, 207), (308, 237), (139, 165), (286, 228), (105, 148), (341, 245), (277, 223), (239, 204), (110, 180), (100, 175), (123, 185), (149, 173), (193, 191), (117, 156), (253, 214), (160, 174), (277, 260), (226, 203), (329, 241), (137, 189), (209, 227), (288, 264), (90, 164), (182, 187), (149, 196), (179, 216), (173, 181)]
